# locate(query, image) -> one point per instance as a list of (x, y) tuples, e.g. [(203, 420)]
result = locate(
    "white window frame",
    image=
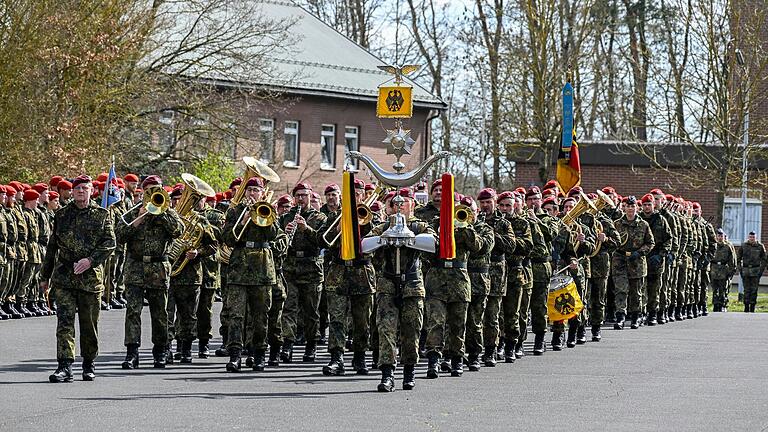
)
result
[(352, 165), (332, 155), (291, 131), (732, 218), (269, 147)]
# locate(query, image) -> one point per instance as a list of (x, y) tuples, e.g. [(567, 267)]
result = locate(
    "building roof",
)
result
[(316, 60)]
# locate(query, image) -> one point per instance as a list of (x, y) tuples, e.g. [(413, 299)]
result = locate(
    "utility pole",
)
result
[(744, 161)]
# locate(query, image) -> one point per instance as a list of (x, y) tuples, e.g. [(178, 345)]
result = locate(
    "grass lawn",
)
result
[(735, 306)]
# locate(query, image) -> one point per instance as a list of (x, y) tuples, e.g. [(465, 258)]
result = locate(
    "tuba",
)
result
[(194, 190)]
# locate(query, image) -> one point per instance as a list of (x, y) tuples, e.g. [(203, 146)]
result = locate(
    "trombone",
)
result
[(155, 200), (364, 217), (260, 213), (463, 216)]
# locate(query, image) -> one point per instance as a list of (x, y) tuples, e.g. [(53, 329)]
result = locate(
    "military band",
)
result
[(278, 265)]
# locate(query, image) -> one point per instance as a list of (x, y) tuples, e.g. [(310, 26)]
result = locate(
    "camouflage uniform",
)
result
[(722, 270), (541, 257), (517, 281), (330, 216), (478, 268), (22, 256), (303, 271), (428, 211), (10, 266), (44, 234), (448, 292), (399, 298), (682, 261), (504, 243), (567, 249), (32, 265), (691, 256), (656, 261), (708, 250), (629, 266), (600, 269), (751, 259), (147, 274), (3, 258), (211, 279), (610, 298), (666, 295), (76, 234)]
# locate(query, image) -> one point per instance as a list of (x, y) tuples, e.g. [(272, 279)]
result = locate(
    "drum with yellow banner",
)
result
[(563, 300)]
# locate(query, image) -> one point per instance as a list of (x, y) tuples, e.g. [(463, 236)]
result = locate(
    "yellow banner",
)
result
[(395, 102), (564, 303)]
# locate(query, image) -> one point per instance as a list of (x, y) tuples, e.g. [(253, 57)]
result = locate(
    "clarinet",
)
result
[(295, 228)]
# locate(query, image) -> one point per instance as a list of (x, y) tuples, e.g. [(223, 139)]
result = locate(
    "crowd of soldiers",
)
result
[(645, 261)]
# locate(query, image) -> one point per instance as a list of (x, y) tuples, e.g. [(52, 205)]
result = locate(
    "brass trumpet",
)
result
[(463, 216), (155, 200), (364, 217)]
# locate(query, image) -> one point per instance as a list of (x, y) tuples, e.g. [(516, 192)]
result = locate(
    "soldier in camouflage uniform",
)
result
[(211, 282), (628, 263), (431, 210), (350, 286), (722, 270), (541, 262), (3, 256), (707, 251), (666, 298), (607, 239), (147, 275), (25, 290), (82, 238), (22, 251), (252, 276), (519, 281), (399, 299), (11, 253), (504, 243), (224, 206), (691, 255), (478, 268), (752, 261), (448, 293), (677, 298), (303, 270), (656, 260), (330, 210)]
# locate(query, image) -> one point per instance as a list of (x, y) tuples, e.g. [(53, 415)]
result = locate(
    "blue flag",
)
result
[(111, 194), (567, 138)]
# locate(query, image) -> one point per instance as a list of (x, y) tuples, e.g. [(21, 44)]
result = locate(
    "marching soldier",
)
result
[(600, 270), (752, 261), (629, 265), (25, 290), (722, 270), (666, 294), (3, 256), (211, 282), (708, 250), (81, 240), (304, 273), (147, 274), (10, 254), (330, 210), (662, 236), (400, 299), (431, 210), (22, 249), (541, 257)]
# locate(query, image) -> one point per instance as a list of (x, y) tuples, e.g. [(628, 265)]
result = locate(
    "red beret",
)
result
[(152, 180), (436, 183), (487, 193), (680, 200), (53, 195), (219, 196), (552, 184), (370, 186), (669, 197), (17, 185), (176, 192), (102, 177), (210, 198), (421, 186), (283, 200), (389, 195), (549, 200), (609, 190), (656, 191), (505, 195), (376, 206), (696, 205), (301, 186), (548, 192), (521, 190), (533, 191), (26, 186), (576, 190), (333, 187), (236, 182), (131, 178), (570, 198), (2, 191), (40, 187), (359, 184), (406, 192), (10, 189), (80, 180), (64, 185), (467, 201), (255, 181), (97, 185), (54, 181), (168, 189), (592, 196), (228, 195), (120, 183), (31, 195), (647, 198)]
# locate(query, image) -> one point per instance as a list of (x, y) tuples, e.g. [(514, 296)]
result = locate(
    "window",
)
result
[(267, 139), (291, 137), (732, 217), (328, 143), (351, 143)]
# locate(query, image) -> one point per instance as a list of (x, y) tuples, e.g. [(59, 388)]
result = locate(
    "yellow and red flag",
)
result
[(350, 229), (447, 241)]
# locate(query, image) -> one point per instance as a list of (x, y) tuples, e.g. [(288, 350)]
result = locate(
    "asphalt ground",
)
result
[(703, 374)]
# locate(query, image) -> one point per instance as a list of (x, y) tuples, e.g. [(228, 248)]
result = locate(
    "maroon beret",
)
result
[(40, 187), (31, 195), (487, 193), (54, 181), (389, 195), (64, 185), (150, 181), (436, 183), (283, 200), (333, 187), (669, 197), (533, 191), (647, 198), (467, 201), (576, 190), (370, 186), (505, 195), (656, 191), (359, 184), (315, 195), (53, 195), (376, 206), (236, 182), (102, 177), (549, 200), (301, 186), (131, 178), (80, 180), (696, 206), (592, 196), (406, 192), (609, 190), (176, 192), (255, 181), (552, 184)]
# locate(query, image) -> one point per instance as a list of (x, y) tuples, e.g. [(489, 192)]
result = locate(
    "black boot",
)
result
[(620, 318), (409, 377), (310, 350), (509, 351), (63, 372), (519, 353), (336, 365), (286, 355), (457, 366), (3, 314), (131, 357), (160, 357), (489, 358), (671, 314), (258, 361), (752, 307), (432, 359), (596, 336), (235, 363), (23, 310), (115, 304), (694, 310), (32, 307), (474, 362), (635, 324), (274, 355), (11, 311), (248, 359), (678, 313), (222, 351), (660, 318), (89, 370), (500, 349), (445, 365), (169, 356), (358, 363), (44, 308), (186, 352), (557, 341), (652, 318), (703, 309), (387, 379), (203, 351), (581, 335), (688, 312), (571, 341), (538, 344)]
